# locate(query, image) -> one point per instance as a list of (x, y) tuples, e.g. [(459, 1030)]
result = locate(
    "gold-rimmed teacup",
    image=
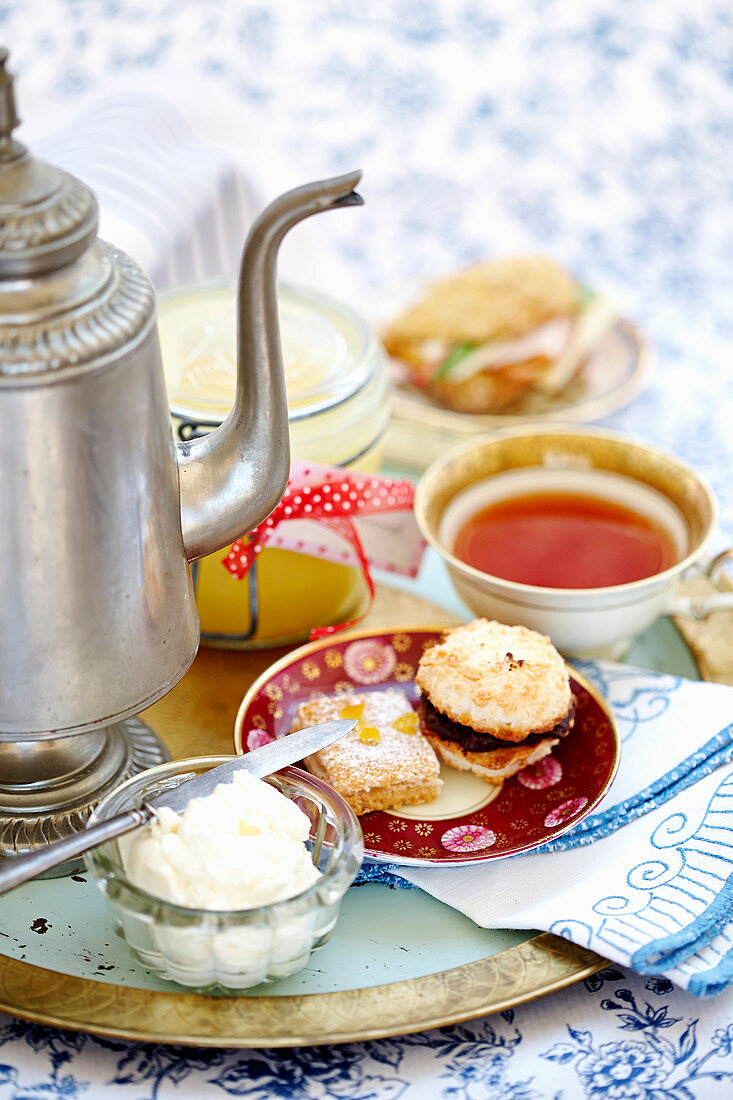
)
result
[(582, 622)]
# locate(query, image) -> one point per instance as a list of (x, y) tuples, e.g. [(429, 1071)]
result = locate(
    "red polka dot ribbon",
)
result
[(331, 497)]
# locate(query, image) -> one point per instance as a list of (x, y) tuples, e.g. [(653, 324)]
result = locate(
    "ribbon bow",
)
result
[(333, 498)]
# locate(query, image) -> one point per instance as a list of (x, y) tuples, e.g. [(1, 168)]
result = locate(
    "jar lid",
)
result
[(47, 216), (325, 351)]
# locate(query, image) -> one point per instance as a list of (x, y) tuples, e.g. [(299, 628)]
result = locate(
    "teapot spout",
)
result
[(232, 479)]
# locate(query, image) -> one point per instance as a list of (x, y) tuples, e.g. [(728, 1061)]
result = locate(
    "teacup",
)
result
[(582, 622)]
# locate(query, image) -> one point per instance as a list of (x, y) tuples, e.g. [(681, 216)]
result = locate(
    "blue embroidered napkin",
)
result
[(647, 880)]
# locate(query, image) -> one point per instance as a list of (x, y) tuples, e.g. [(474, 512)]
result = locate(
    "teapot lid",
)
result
[(47, 216)]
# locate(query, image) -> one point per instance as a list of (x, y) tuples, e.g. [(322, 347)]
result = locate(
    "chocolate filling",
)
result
[(472, 741)]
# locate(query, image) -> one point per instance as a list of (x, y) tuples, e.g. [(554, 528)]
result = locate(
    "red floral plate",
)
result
[(467, 823)]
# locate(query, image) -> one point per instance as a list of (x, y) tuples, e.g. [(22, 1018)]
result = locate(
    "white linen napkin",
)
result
[(647, 880), (178, 203), (179, 207)]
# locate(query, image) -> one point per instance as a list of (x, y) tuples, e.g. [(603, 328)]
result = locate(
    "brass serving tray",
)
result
[(529, 970), (197, 714)]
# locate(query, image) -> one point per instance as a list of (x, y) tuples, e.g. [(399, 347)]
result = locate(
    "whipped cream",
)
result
[(238, 848)]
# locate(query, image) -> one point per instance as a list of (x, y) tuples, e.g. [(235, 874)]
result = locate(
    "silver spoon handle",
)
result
[(20, 869)]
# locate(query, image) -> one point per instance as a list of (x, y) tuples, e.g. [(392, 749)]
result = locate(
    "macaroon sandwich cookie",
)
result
[(382, 764), (495, 698)]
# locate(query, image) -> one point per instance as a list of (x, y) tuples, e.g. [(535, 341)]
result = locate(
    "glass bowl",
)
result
[(226, 951)]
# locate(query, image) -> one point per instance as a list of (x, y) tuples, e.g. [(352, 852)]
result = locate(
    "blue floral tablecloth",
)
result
[(613, 1037), (600, 132)]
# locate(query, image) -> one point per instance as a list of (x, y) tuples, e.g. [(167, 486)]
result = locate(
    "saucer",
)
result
[(469, 822)]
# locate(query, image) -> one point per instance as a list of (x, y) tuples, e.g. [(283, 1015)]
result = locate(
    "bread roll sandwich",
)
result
[(495, 698), (482, 339)]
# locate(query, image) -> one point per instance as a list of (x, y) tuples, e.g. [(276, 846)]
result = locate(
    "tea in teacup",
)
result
[(564, 528)]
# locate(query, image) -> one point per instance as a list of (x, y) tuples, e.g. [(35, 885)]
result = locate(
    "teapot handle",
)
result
[(231, 479)]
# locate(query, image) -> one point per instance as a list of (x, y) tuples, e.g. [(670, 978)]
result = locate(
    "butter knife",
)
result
[(260, 762)]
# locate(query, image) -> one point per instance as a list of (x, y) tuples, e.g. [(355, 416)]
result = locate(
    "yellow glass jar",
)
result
[(338, 401)]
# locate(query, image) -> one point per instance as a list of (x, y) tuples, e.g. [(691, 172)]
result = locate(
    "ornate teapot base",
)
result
[(50, 787)]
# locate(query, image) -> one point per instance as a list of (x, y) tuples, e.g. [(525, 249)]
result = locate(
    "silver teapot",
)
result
[(100, 511)]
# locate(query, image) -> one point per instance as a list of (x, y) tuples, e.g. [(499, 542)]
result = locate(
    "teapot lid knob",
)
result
[(8, 114), (47, 216)]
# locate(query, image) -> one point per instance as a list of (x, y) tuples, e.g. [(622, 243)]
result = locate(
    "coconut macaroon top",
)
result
[(505, 680), (499, 299)]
